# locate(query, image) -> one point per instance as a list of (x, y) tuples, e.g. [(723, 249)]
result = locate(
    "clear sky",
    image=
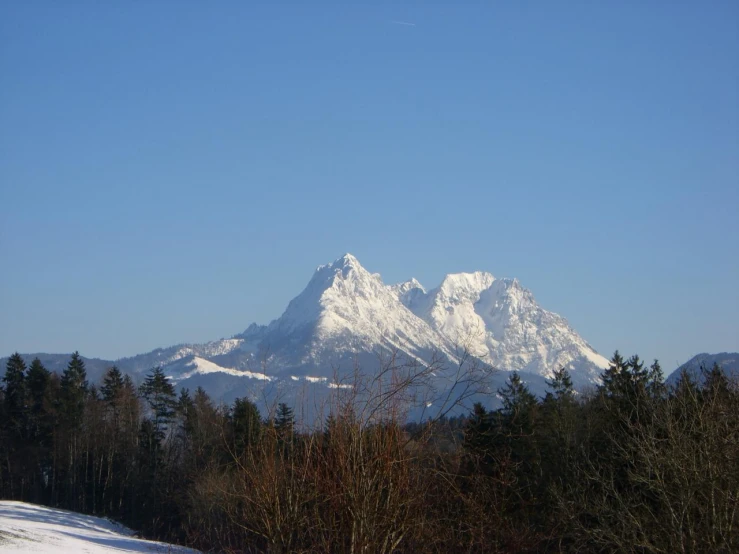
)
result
[(173, 171)]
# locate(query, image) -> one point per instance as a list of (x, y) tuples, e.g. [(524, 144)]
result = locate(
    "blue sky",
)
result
[(172, 171)]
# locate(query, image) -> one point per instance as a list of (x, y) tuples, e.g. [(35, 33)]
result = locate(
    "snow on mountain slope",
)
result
[(165, 356), (410, 293), (347, 317), (344, 310), (500, 322), (450, 309), (31, 528), (187, 367)]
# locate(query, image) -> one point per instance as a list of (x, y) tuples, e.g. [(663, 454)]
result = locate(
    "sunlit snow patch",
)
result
[(30, 528), (199, 366), (331, 385), (339, 386)]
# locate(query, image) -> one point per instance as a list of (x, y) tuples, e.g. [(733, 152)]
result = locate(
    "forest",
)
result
[(633, 465)]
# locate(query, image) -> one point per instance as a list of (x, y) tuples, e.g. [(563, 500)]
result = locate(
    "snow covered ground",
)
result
[(30, 528)]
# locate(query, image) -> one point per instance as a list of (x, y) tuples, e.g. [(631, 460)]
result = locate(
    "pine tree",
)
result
[(69, 435), (478, 430), (656, 387), (185, 405), (561, 384), (284, 421), (13, 424), (639, 373), (186, 414), (614, 375), (715, 380), (284, 418), (515, 426), (204, 428), (631, 390), (686, 383), (40, 422), (74, 389), (161, 397), (627, 381), (15, 404), (38, 380), (517, 399), (556, 437), (247, 424), (126, 450), (93, 394), (112, 384), (157, 473)]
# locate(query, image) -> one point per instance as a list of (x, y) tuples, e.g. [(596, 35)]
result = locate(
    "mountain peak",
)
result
[(345, 307), (346, 317), (410, 293), (727, 361), (465, 285), (345, 261), (340, 279), (348, 258), (406, 286)]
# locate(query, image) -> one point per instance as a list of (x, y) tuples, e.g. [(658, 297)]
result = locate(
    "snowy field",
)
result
[(30, 528)]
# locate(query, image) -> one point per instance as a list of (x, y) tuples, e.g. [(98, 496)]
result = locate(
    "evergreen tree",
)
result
[(639, 374), (13, 424), (15, 403), (112, 384), (205, 430), (329, 426), (627, 384), (157, 473), (185, 409), (515, 426), (517, 399), (38, 381), (74, 389), (615, 376), (284, 421), (40, 419), (247, 424), (715, 381), (556, 437), (561, 384), (478, 430), (69, 435), (161, 397), (126, 452), (186, 416), (685, 382), (129, 389), (656, 387)]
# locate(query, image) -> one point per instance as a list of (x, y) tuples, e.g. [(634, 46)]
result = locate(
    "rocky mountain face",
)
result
[(500, 322), (347, 318)]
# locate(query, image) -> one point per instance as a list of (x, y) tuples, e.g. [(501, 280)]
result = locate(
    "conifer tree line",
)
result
[(633, 465)]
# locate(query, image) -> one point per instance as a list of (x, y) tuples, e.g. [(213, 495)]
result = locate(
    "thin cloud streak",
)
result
[(406, 23)]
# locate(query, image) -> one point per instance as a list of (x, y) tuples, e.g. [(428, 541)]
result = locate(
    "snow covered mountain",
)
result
[(344, 310), (347, 317), (500, 322)]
